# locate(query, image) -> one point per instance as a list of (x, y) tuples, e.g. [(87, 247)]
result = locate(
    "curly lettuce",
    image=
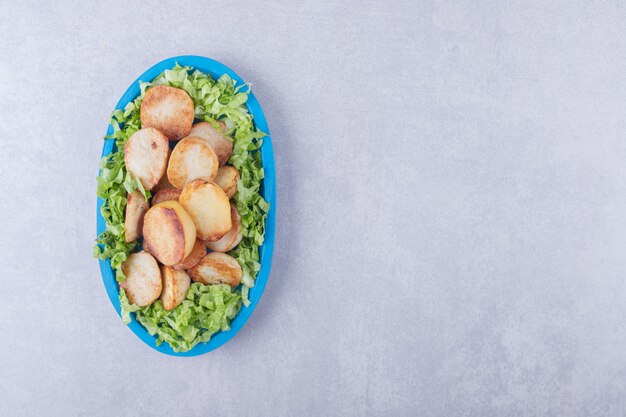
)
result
[(207, 309), (114, 184)]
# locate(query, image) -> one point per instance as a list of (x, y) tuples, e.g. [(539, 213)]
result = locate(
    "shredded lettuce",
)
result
[(114, 184), (207, 309), (126, 306)]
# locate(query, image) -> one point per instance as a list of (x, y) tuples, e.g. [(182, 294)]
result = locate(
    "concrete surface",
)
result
[(452, 189)]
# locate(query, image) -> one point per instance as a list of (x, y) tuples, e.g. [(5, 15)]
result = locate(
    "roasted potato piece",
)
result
[(143, 279), (222, 145), (208, 206), (232, 237), (217, 268), (136, 207), (168, 232), (145, 156), (191, 159), (197, 253), (163, 182), (166, 194), (175, 287), (168, 109), (227, 177)]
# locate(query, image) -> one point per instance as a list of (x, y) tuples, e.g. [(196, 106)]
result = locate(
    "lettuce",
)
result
[(126, 306), (207, 309), (114, 183)]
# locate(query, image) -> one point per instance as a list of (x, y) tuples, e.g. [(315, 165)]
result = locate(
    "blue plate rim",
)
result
[(268, 190)]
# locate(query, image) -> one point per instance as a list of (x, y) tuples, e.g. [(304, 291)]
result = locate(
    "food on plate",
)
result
[(168, 232), (187, 213), (145, 156), (191, 159), (166, 194), (227, 177), (169, 110), (197, 253), (216, 138), (208, 206), (136, 207), (175, 286), (143, 279), (217, 268), (232, 238)]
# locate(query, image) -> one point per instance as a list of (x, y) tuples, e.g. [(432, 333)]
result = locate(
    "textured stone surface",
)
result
[(452, 191)]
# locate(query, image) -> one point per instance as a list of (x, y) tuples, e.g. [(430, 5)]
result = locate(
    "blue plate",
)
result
[(215, 69)]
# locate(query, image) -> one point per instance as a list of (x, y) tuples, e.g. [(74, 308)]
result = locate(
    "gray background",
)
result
[(451, 219)]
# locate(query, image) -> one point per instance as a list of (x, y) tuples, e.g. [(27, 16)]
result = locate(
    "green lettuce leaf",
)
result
[(206, 310), (126, 306)]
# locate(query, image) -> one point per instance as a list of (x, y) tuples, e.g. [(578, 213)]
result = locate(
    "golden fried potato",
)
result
[(227, 178), (222, 145), (208, 206), (197, 253), (163, 182), (168, 232), (136, 207), (143, 279), (168, 109), (191, 159), (217, 268), (166, 194), (175, 287), (145, 156), (232, 238)]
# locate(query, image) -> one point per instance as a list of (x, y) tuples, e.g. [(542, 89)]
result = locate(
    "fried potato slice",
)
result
[(197, 253), (145, 156), (143, 279), (175, 287), (166, 194), (168, 109), (217, 268), (232, 238), (136, 207), (227, 177), (168, 232), (222, 145), (163, 182), (191, 159), (209, 208)]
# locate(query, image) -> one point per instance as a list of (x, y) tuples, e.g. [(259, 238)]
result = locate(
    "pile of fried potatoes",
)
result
[(190, 210)]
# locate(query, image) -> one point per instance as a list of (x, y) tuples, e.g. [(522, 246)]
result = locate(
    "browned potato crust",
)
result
[(191, 159), (175, 287), (222, 145), (217, 268), (209, 208), (168, 109), (136, 207), (143, 279), (231, 239), (145, 156), (169, 233), (197, 253), (166, 194), (227, 177)]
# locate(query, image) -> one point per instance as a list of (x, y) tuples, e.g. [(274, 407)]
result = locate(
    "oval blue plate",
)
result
[(215, 69)]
